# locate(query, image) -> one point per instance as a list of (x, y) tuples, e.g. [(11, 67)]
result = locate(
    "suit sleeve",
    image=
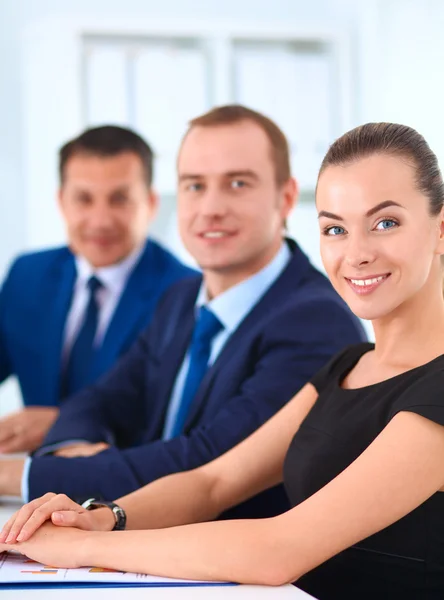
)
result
[(295, 345), (108, 410), (6, 296)]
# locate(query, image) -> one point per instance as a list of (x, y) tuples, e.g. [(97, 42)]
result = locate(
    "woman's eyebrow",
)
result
[(329, 215), (369, 213), (382, 205)]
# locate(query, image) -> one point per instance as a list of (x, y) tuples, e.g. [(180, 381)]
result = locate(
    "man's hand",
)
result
[(11, 472), (53, 546), (61, 510), (84, 449), (24, 431)]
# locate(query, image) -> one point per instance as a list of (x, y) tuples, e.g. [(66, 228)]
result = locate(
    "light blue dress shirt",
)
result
[(231, 307)]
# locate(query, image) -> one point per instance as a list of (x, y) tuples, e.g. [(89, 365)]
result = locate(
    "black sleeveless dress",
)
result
[(405, 560)]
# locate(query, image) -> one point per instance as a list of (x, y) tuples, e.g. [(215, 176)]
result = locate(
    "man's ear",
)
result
[(289, 196), (153, 203), (60, 200)]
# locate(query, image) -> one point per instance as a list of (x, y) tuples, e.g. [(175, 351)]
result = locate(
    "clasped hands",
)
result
[(52, 530)]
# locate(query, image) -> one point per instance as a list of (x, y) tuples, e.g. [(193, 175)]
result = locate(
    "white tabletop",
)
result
[(239, 592)]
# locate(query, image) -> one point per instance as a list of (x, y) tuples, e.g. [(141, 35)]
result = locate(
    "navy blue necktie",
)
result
[(206, 327), (79, 368)]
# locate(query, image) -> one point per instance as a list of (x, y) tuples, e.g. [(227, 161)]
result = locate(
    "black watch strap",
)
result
[(118, 512)]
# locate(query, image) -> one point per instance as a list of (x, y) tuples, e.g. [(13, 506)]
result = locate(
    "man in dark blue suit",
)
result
[(107, 203), (225, 351)]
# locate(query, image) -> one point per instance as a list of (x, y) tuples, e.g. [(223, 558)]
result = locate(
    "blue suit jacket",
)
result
[(288, 336), (34, 303)]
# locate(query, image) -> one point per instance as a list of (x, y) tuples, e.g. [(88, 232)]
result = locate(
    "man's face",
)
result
[(107, 206), (231, 211)]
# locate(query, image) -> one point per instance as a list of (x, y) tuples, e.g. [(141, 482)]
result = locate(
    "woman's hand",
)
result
[(59, 509), (53, 546)]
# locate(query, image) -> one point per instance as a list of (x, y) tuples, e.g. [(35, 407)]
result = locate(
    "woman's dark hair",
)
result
[(396, 140)]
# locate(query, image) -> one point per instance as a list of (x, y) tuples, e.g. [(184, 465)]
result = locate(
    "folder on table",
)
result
[(19, 572)]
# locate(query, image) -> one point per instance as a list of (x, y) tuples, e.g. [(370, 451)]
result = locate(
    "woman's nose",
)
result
[(359, 254)]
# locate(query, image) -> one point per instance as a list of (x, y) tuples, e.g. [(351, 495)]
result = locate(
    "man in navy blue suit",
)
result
[(56, 333), (225, 351)]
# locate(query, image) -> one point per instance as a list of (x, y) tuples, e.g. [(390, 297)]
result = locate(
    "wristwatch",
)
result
[(118, 512)]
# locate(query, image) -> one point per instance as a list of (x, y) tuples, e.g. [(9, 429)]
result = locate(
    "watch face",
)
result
[(119, 513)]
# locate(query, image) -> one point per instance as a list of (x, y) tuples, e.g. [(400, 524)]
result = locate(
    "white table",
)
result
[(240, 592)]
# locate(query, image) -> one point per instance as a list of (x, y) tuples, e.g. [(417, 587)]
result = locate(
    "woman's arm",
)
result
[(398, 471), (198, 495), (244, 471)]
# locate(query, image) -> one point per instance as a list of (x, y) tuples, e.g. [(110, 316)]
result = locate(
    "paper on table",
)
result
[(17, 569)]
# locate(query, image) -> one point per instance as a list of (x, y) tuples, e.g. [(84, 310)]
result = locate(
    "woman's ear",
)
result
[(440, 224)]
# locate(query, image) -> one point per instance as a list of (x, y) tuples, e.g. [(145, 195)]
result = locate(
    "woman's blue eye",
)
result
[(335, 230), (386, 224)]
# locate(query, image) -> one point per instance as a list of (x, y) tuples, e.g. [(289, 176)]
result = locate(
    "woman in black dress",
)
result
[(360, 448)]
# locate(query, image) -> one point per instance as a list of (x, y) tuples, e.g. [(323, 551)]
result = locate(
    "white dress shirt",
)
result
[(113, 279)]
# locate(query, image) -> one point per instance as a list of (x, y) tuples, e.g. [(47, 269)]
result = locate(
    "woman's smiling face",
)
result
[(379, 243)]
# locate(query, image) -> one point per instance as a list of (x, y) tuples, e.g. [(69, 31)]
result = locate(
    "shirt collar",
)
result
[(233, 305), (113, 277)]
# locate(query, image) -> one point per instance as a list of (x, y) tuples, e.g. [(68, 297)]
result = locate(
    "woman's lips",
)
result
[(366, 285)]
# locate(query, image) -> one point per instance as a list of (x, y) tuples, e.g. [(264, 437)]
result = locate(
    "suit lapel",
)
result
[(289, 279), (134, 304), (172, 347), (60, 292)]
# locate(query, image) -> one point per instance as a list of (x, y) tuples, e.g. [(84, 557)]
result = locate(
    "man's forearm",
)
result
[(11, 471)]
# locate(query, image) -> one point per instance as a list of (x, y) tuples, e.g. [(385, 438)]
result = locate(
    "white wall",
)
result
[(398, 51), (11, 189), (412, 57), (17, 15)]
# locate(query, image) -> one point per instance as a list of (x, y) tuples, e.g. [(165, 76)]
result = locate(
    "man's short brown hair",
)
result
[(108, 141), (235, 113)]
